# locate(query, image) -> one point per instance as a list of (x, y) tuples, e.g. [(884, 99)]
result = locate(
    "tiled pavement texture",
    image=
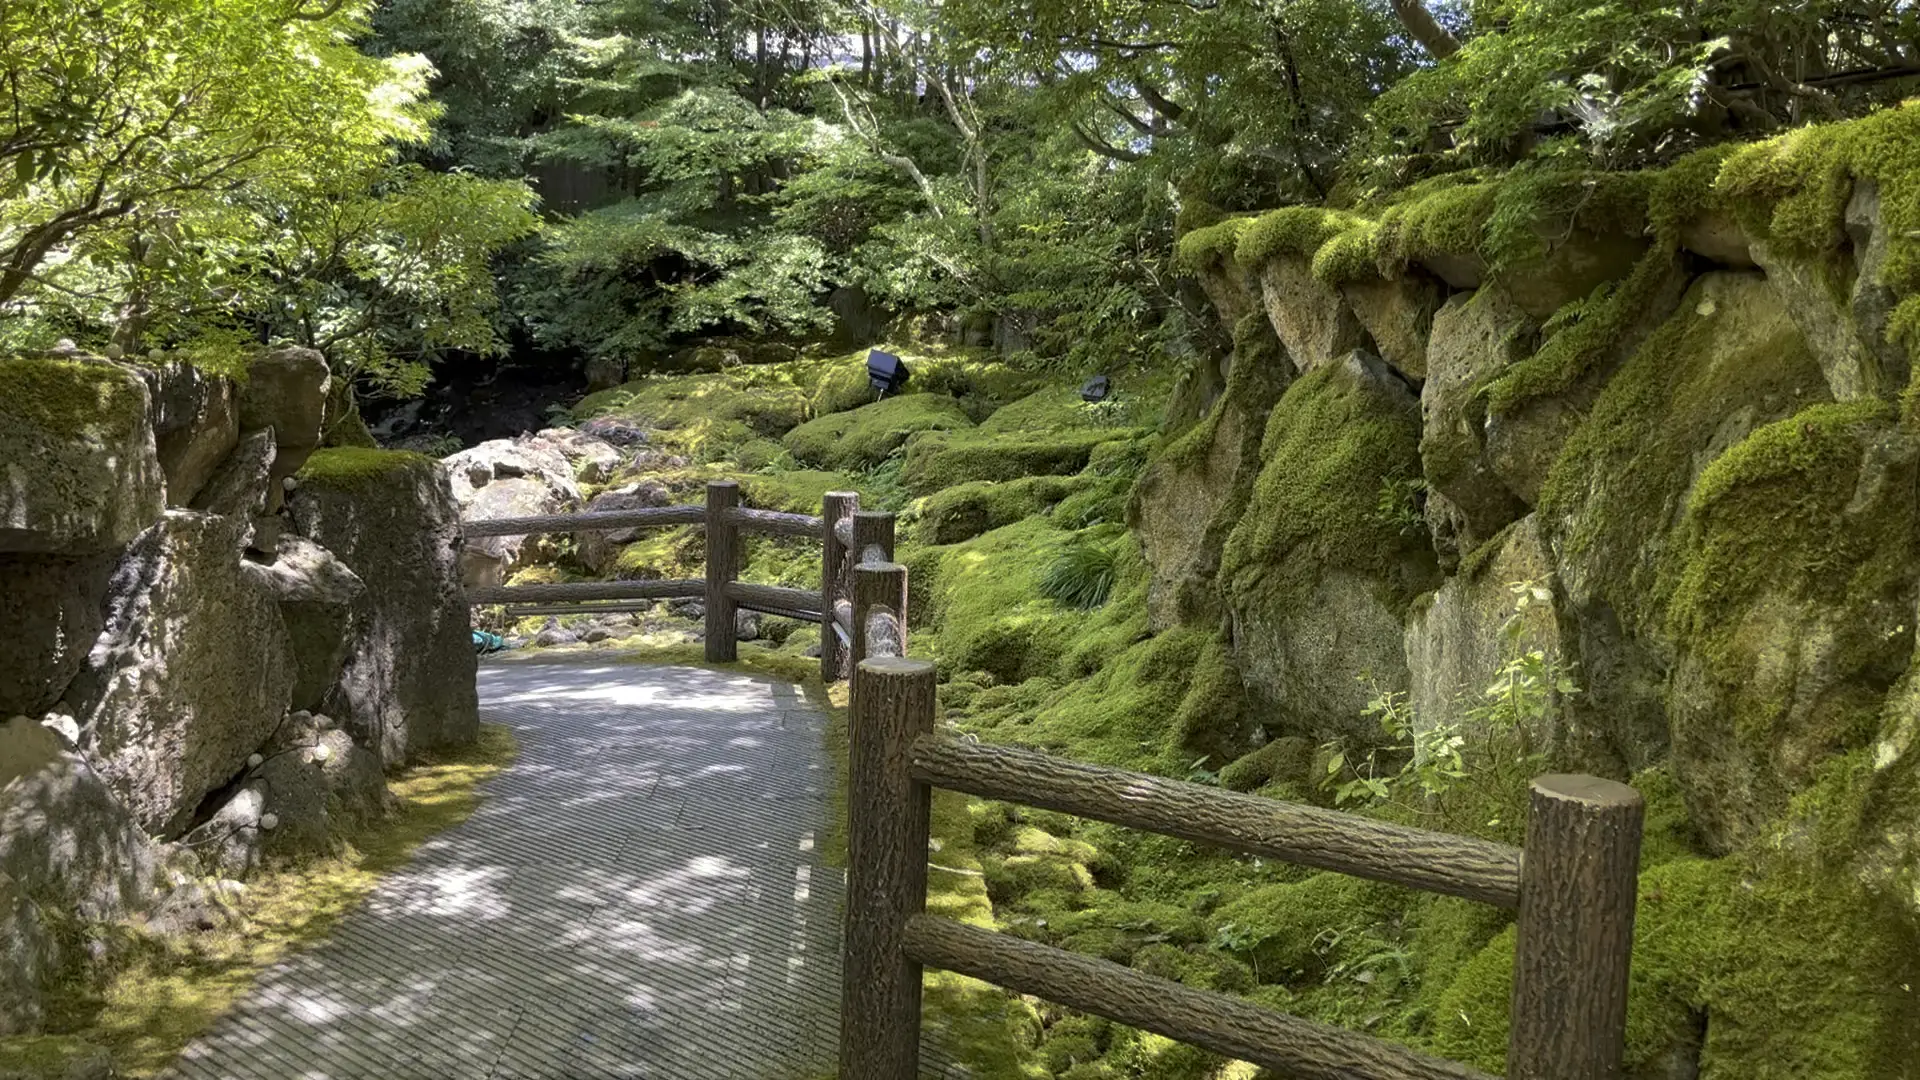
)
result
[(640, 896)]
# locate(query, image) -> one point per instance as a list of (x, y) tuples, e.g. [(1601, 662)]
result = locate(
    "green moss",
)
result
[(937, 460), (1618, 485), (974, 378), (1591, 333), (1045, 412), (1781, 518), (1446, 219), (356, 468), (1793, 190), (1118, 715), (663, 555), (796, 491), (1212, 720), (1332, 441), (1506, 220), (1797, 975), (1286, 759), (71, 397), (992, 616), (164, 993), (1687, 190), (865, 436), (1295, 931), (1203, 249), (967, 510), (1351, 256), (1296, 231), (710, 417)]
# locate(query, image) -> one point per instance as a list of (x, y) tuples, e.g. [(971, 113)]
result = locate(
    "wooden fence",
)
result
[(1573, 885), (861, 603)]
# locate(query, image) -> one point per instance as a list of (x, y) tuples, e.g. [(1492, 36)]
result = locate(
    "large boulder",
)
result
[(408, 684), (592, 459), (1498, 608), (317, 593), (1798, 570), (1194, 492), (52, 607), (196, 422), (312, 785), (1313, 319), (1844, 313), (286, 390), (191, 673), (598, 549), (1730, 360), (1317, 577), (238, 487), (68, 849), (1397, 313), (508, 478), (1476, 337), (79, 474)]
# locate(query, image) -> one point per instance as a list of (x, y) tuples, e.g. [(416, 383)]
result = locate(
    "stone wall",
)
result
[(1674, 464), (177, 635)]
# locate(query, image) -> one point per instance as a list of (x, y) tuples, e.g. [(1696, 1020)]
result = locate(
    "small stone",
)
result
[(65, 726), (269, 822), (322, 753), (288, 483), (254, 761)]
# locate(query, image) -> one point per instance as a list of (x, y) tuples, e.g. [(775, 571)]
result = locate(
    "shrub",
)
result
[(1081, 576)]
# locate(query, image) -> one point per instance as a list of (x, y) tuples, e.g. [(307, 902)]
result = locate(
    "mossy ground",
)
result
[(160, 994)]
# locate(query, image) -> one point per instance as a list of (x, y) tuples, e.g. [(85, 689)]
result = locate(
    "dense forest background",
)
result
[(576, 183)]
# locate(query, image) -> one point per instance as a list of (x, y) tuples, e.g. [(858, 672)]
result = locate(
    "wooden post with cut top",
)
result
[(873, 532), (1578, 886), (887, 830), (723, 565), (879, 589), (836, 583)]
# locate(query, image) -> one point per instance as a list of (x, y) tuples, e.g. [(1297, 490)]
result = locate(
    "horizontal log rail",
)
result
[(777, 523), (849, 538), (1250, 824), (778, 597), (585, 590), (1574, 885), (644, 518), (1291, 1046)]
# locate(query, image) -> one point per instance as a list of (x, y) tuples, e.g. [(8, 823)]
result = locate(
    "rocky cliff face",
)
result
[(1666, 452), (173, 633)]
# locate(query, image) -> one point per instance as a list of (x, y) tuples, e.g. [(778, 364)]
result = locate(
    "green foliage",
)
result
[(1081, 576)]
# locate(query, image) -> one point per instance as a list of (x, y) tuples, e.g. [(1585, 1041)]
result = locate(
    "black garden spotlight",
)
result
[(1096, 390), (886, 372)]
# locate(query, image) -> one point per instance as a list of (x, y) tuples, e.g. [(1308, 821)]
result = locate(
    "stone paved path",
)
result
[(641, 895)]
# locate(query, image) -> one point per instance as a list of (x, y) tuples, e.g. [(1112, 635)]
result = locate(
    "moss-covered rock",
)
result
[(1311, 316), (1792, 973), (1285, 760), (866, 436), (81, 475), (1209, 255), (1397, 314), (1613, 500), (1460, 639), (937, 460), (1476, 337), (1294, 931), (1793, 614), (1318, 577), (966, 510), (408, 684), (992, 616), (1193, 492), (709, 417)]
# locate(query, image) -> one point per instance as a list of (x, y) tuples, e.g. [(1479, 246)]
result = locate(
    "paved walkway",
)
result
[(641, 895)]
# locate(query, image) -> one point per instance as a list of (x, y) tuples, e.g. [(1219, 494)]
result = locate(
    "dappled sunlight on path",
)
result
[(640, 895)]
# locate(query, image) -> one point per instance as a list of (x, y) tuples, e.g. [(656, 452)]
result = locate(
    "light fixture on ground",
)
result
[(886, 372), (1095, 390)]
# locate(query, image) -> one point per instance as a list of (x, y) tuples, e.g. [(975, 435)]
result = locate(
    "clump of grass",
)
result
[(1081, 576), (165, 992)]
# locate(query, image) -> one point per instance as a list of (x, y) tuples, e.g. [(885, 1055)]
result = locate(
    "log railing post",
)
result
[(836, 582), (887, 828), (877, 585), (723, 565), (882, 585), (1578, 887), (872, 529)]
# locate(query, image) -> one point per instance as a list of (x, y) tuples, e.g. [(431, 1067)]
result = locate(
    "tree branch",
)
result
[(1425, 29), (1102, 147)]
